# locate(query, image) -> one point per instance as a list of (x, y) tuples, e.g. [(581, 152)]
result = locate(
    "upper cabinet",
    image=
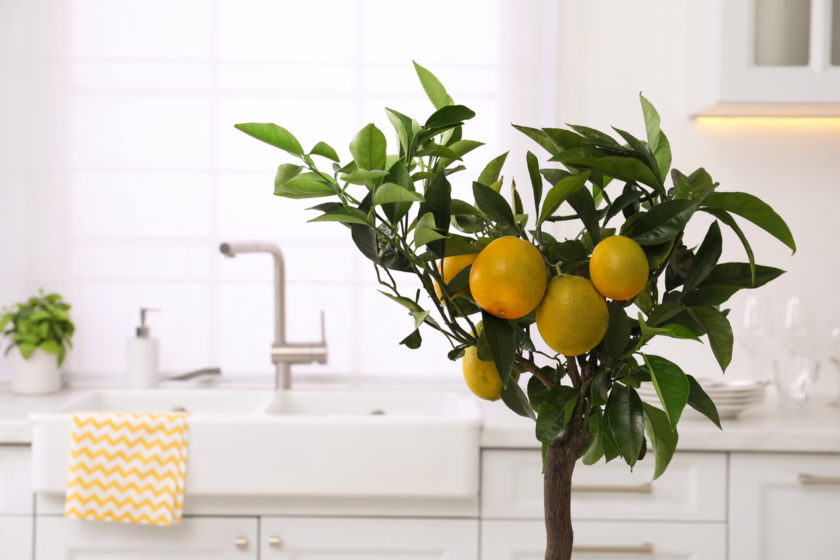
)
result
[(764, 58)]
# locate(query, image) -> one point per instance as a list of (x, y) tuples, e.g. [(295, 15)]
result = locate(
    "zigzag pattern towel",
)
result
[(127, 467)]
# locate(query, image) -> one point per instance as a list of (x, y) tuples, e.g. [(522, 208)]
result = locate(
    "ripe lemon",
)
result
[(573, 316), (449, 269), (618, 268), (508, 278), (482, 377)]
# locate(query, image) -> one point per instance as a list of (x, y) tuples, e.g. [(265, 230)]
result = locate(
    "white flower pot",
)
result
[(39, 374)]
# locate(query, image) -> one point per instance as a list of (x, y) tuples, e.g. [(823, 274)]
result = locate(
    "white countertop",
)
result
[(815, 428)]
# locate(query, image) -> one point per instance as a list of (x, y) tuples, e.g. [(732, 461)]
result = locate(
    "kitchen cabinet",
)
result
[(603, 540), (783, 506), (368, 539), (15, 537), (763, 58), (211, 538), (15, 475)]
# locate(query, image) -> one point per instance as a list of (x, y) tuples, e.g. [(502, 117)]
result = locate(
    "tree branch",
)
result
[(534, 369), (572, 367)]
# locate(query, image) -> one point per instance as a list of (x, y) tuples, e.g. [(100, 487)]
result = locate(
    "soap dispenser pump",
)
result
[(142, 354)]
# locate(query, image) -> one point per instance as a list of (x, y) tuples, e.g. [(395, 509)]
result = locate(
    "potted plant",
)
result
[(40, 331), (494, 278)]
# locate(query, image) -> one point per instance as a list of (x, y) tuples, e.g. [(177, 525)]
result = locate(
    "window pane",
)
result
[(782, 32)]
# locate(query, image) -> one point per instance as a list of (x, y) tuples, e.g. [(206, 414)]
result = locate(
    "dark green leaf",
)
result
[(719, 330), (368, 148), (438, 201), (460, 281), (623, 201), (306, 185), (662, 438), (618, 333), (414, 340), (390, 192), (738, 274), (727, 219), (701, 402), (620, 167), (536, 178), (584, 206), (516, 400), (324, 150), (274, 135), (662, 223), (597, 137), (659, 146), (455, 354), (345, 216), (671, 330), (565, 139), (493, 205), (706, 258), (540, 137), (500, 340), (755, 210), (365, 239), (490, 174), (398, 175), (562, 191), (537, 392), (449, 116), (626, 420), (554, 412), (434, 89), (595, 450), (671, 385), (709, 295), (403, 126)]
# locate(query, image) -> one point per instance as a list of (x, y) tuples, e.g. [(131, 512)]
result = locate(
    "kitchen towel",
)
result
[(127, 467)]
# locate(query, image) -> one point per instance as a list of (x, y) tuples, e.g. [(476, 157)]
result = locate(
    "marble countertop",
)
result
[(770, 427)]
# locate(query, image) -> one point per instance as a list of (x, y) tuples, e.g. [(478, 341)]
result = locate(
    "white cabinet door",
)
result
[(195, 538), (368, 539), (602, 540), (784, 506), (15, 488), (15, 537)]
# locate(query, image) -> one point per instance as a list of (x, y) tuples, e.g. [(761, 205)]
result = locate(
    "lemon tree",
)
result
[(596, 299)]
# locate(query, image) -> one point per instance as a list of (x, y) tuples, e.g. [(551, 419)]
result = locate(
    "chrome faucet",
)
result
[(283, 354)]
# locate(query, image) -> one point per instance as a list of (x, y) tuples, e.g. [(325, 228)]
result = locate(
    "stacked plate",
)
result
[(730, 397)]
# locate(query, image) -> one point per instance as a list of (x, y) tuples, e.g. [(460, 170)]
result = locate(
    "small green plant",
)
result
[(43, 322)]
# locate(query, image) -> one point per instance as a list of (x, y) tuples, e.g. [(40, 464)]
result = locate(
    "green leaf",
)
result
[(425, 231), (345, 216), (719, 331), (709, 295), (537, 392), (755, 210), (403, 126), (448, 116), (624, 200), (595, 450), (618, 333), (739, 275), (414, 340), (554, 413), (490, 173), (662, 438), (727, 219), (364, 176), (26, 349), (306, 185), (365, 239), (705, 259), (434, 89), (398, 175), (597, 137), (671, 330), (286, 172), (493, 205), (560, 192), (536, 178), (584, 206), (671, 385), (701, 402), (516, 400), (626, 420), (368, 148), (540, 137), (659, 145), (501, 343), (274, 135), (390, 192), (620, 167), (50, 346), (438, 200), (565, 139), (324, 150), (662, 223)]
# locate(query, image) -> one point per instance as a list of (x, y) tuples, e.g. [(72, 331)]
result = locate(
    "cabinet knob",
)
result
[(241, 542), (275, 541)]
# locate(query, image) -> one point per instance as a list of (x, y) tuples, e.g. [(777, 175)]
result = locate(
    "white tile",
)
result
[(122, 261), (149, 133), (149, 76), (147, 204), (268, 78), (145, 29), (312, 31)]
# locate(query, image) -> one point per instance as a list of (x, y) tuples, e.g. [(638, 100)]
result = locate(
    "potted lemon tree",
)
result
[(496, 279), (39, 332)]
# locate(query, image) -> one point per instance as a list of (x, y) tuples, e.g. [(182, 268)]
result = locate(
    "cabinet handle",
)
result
[(645, 548), (813, 479), (640, 489), (275, 541), (241, 542)]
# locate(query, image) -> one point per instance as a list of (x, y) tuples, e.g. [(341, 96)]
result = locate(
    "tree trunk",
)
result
[(560, 459)]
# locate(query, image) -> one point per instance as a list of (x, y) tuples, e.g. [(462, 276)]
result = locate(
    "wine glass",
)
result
[(795, 366), (754, 335)]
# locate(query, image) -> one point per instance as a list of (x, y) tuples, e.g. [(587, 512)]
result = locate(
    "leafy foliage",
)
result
[(405, 213), (42, 321)]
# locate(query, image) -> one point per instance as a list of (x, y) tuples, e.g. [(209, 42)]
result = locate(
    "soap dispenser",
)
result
[(142, 356)]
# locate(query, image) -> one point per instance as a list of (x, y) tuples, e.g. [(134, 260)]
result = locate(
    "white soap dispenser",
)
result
[(142, 356)]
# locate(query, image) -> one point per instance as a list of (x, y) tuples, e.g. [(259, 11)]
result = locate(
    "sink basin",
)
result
[(297, 443)]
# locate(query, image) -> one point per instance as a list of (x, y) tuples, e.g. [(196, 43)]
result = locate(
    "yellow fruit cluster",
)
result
[(508, 279)]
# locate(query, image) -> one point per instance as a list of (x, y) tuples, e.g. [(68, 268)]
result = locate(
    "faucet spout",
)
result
[(283, 354)]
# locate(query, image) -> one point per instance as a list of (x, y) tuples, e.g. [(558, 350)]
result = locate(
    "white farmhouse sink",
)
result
[(298, 443)]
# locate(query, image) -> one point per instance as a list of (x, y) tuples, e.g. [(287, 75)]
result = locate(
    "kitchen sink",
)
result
[(296, 443)]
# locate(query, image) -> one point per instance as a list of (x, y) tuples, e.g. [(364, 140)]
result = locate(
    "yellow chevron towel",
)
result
[(127, 467)]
